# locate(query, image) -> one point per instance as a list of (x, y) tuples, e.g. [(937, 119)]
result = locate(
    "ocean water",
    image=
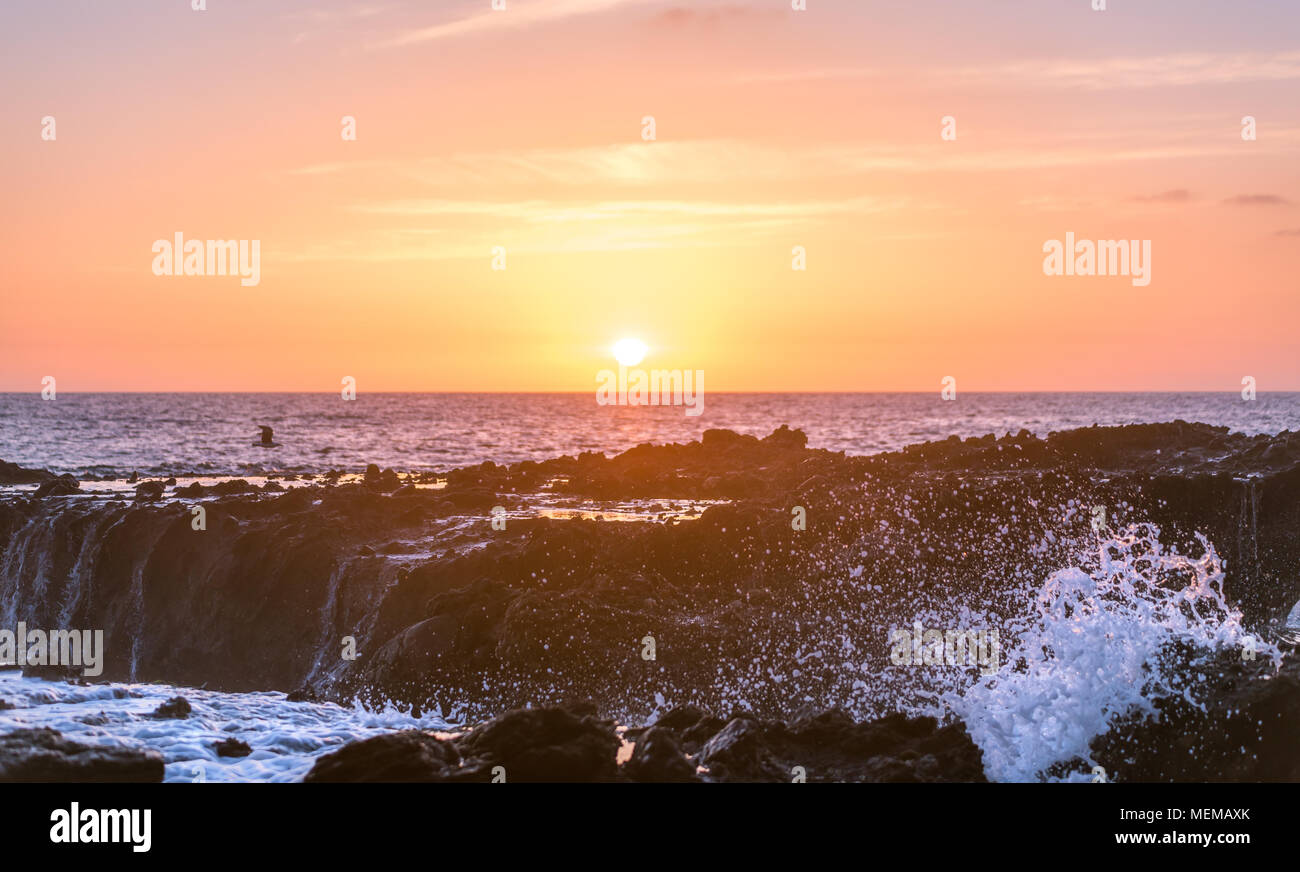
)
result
[(113, 435), (286, 738)]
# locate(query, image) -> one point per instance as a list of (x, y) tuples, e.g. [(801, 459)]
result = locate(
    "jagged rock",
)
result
[(61, 486), (53, 672), (658, 758), (44, 755), (738, 753), (12, 473), (544, 744), (178, 707), (409, 755), (149, 490), (232, 747), (1242, 726)]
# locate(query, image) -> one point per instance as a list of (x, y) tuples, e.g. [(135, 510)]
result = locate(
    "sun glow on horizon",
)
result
[(629, 351)]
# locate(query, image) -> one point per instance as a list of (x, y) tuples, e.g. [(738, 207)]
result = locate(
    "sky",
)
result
[(523, 129)]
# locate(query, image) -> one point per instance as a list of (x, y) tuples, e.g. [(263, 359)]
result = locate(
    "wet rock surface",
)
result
[(12, 473), (44, 755), (568, 743), (232, 747), (406, 756), (58, 487), (1245, 731), (176, 708)]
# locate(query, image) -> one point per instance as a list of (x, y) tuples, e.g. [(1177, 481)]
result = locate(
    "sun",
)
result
[(629, 351)]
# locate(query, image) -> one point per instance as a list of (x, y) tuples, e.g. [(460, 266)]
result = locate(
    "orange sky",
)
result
[(775, 129)]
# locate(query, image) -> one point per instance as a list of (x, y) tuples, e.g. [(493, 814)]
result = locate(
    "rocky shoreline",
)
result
[(749, 613)]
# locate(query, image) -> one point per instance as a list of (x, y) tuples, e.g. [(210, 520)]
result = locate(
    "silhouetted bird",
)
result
[(266, 434)]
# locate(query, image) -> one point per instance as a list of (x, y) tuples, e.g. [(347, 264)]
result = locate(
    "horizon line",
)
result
[(37, 393)]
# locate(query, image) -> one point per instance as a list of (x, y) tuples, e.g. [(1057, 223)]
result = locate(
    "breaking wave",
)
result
[(1106, 638)]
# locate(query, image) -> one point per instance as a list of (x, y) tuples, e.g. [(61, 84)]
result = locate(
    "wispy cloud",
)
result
[(336, 14), (1169, 70), (1180, 195), (441, 229), (686, 16), (324, 169), (549, 211), (1257, 200), (517, 14), (710, 161), (1152, 72), (318, 19)]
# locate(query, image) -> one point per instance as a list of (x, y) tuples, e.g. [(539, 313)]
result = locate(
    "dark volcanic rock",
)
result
[(61, 486), (44, 755), (831, 746), (682, 717), (178, 707), (149, 490), (544, 744), (1244, 727), (232, 747), (410, 755), (658, 758), (568, 743), (739, 753), (555, 743), (231, 487), (12, 473), (53, 672)]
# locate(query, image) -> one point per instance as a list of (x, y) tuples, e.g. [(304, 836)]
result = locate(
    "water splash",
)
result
[(1099, 644)]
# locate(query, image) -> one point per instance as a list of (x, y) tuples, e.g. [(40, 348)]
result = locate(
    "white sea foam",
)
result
[(1096, 646), (286, 737)]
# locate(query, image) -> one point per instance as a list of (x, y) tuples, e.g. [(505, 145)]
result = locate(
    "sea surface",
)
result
[(286, 737), (210, 434)]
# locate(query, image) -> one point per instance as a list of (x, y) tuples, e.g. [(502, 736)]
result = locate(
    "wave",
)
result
[(1106, 639)]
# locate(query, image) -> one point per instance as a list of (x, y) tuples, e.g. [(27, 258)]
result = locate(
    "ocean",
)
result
[(112, 435)]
